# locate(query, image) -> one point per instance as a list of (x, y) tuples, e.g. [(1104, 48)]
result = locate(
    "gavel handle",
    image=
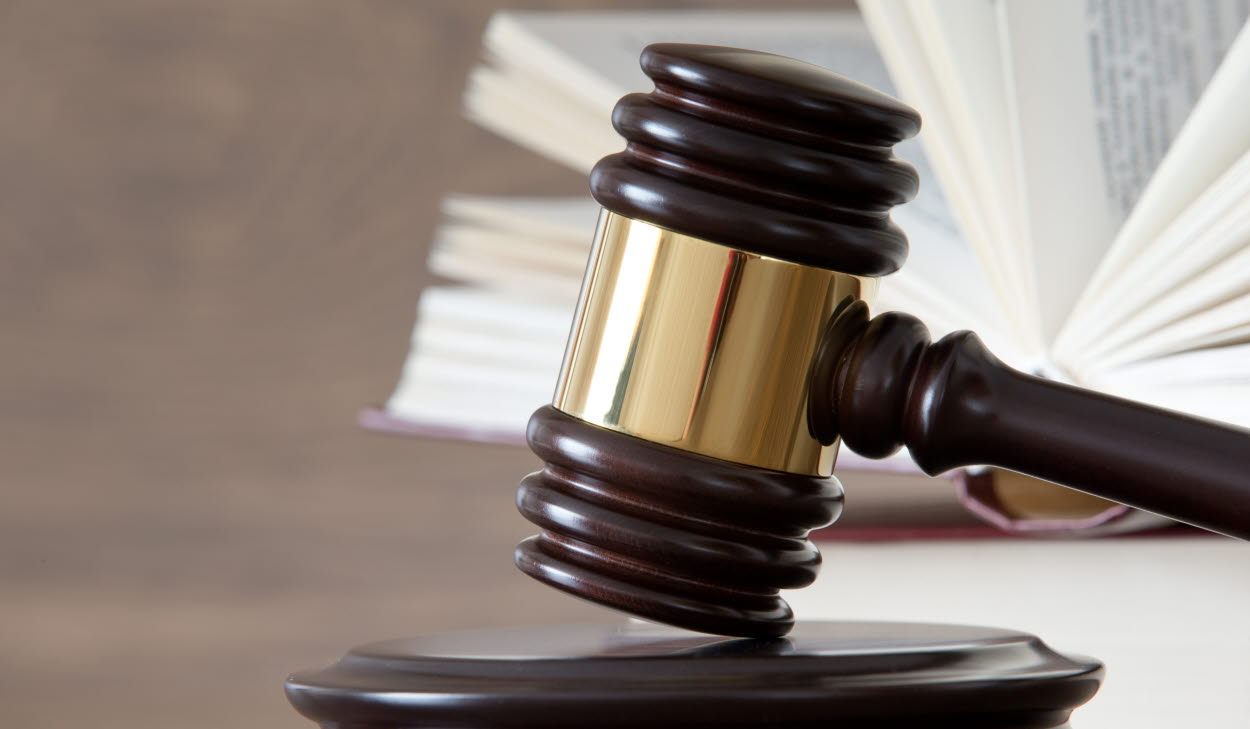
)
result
[(962, 406)]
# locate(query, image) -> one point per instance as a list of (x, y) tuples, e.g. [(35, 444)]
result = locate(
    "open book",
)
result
[(1044, 125), (1097, 156)]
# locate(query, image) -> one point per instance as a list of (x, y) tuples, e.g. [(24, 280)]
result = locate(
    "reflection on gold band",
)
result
[(701, 347)]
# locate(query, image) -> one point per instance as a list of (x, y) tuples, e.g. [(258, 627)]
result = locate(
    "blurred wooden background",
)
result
[(213, 220)]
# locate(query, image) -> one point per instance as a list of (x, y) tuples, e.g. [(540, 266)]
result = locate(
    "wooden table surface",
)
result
[(213, 223)]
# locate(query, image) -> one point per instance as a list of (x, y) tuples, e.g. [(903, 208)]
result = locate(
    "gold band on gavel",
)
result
[(701, 347)]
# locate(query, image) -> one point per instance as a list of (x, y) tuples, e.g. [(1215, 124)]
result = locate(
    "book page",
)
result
[(1158, 245), (938, 56), (560, 217), (1100, 89), (1220, 402), (1189, 285), (535, 248), (1211, 383), (510, 101), (480, 359), (1214, 367)]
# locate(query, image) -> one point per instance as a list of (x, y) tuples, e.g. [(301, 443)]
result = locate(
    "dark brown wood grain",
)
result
[(669, 535), (953, 403), (764, 153), (880, 675)]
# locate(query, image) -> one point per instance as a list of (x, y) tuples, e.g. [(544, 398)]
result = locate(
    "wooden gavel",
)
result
[(722, 346)]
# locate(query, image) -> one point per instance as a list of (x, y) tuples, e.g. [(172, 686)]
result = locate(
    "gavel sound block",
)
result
[(722, 347), (880, 675)]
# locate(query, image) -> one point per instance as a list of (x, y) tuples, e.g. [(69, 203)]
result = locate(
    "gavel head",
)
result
[(683, 472)]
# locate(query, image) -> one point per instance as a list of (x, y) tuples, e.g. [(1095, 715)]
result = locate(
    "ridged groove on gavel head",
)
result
[(763, 153), (668, 535)]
